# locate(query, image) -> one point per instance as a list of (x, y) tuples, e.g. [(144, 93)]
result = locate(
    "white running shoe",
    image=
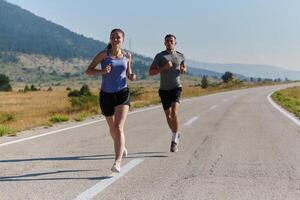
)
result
[(116, 167)]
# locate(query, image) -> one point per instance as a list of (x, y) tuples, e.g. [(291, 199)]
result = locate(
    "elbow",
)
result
[(152, 72), (88, 72)]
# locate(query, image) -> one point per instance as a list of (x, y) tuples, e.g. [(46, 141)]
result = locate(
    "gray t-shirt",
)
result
[(170, 78)]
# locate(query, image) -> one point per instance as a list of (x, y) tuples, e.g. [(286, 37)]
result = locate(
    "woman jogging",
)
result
[(114, 94)]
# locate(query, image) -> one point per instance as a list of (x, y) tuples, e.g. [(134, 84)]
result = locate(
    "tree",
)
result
[(228, 76), (26, 88), (33, 88), (204, 82), (85, 90), (4, 83)]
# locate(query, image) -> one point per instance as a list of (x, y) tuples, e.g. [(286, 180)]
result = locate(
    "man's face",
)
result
[(170, 43)]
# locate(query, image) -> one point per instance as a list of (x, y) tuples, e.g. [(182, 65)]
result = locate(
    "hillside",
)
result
[(22, 31), (33, 49), (262, 71)]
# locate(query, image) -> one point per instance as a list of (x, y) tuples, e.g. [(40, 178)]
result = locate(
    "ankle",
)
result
[(175, 137)]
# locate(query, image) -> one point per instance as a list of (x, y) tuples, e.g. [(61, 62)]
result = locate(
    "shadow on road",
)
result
[(89, 157), (30, 177)]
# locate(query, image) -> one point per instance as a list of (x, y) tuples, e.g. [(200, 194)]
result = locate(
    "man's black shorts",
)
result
[(108, 101), (169, 96)]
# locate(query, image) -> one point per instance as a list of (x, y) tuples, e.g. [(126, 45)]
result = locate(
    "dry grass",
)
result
[(33, 109)]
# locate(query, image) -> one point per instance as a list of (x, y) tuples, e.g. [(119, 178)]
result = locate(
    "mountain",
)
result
[(35, 49), (259, 71), (22, 31)]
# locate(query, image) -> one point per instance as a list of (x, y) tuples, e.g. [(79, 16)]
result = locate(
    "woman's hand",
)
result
[(132, 77), (106, 69)]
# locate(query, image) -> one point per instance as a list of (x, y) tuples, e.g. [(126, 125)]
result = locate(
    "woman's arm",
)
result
[(131, 76), (92, 71)]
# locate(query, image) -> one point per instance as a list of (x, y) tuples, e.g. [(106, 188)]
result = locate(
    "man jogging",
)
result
[(170, 64)]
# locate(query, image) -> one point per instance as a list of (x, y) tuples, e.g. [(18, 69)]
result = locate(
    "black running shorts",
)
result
[(168, 97), (108, 101)]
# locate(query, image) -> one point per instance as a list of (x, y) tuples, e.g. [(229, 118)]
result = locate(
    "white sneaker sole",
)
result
[(116, 168)]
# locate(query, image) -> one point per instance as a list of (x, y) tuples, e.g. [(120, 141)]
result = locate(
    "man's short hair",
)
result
[(170, 35)]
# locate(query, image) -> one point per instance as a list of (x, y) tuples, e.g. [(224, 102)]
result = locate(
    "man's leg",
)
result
[(172, 117), (173, 122)]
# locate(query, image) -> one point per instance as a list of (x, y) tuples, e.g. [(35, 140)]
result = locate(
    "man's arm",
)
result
[(182, 67), (156, 69)]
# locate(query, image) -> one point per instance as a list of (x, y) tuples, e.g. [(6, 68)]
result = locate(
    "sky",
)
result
[(218, 31)]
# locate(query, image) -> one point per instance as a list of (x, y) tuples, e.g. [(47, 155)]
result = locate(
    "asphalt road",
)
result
[(234, 145)]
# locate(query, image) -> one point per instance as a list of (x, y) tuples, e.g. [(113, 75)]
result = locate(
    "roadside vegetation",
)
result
[(289, 99), (27, 107)]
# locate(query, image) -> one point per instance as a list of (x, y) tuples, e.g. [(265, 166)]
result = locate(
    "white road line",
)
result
[(93, 191), (190, 121), (283, 111), (49, 133), (213, 107), (72, 127)]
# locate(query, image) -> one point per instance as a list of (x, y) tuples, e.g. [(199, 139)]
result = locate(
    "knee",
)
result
[(174, 114), (168, 116), (118, 129), (111, 129)]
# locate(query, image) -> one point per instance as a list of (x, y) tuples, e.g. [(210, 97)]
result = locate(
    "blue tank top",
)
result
[(116, 79)]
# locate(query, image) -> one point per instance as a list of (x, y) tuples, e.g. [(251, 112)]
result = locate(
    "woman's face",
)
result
[(116, 39)]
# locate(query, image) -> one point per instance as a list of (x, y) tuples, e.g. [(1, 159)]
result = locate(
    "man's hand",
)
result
[(182, 68), (168, 65)]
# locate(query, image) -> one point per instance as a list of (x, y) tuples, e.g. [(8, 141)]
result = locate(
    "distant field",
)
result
[(31, 109), (21, 111), (289, 99)]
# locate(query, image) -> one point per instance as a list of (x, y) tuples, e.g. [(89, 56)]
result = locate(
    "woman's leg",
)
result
[(110, 122), (121, 112)]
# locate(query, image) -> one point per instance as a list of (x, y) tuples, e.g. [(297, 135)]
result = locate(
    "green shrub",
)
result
[(81, 116), (83, 99), (26, 88), (74, 93), (204, 82), (59, 118), (4, 130), (136, 91), (6, 118), (84, 102), (85, 90), (4, 83)]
